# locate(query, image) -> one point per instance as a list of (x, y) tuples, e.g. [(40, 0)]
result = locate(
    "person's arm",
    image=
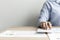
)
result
[(45, 16)]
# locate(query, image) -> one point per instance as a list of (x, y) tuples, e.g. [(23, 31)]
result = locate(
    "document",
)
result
[(16, 33), (54, 36), (50, 30)]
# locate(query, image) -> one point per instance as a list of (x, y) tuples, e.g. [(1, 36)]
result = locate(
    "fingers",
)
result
[(46, 25), (49, 25), (42, 25)]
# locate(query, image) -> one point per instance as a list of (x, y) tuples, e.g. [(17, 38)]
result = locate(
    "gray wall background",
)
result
[(19, 12)]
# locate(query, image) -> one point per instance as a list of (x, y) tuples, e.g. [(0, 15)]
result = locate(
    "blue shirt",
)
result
[(51, 12)]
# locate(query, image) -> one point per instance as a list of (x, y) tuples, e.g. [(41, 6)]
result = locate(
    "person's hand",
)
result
[(46, 25)]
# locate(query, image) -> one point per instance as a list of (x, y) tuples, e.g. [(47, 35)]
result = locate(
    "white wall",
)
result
[(19, 12)]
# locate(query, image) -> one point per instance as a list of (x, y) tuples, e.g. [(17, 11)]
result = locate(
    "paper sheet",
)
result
[(54, 36), (51, 30), (16, 33)]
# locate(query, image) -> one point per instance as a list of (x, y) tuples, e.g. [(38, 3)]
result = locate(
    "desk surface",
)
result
[(25, 28), (21, 38)]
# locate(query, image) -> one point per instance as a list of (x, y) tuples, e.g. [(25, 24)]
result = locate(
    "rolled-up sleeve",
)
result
[(45, 12)]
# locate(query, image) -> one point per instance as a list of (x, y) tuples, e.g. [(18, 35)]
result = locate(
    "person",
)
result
[(50, 14)]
